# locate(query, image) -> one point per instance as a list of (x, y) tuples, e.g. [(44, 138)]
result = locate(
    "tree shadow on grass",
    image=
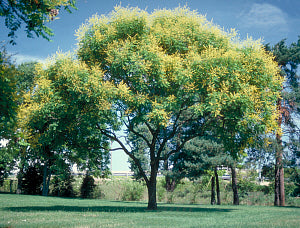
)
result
[(125, 209)]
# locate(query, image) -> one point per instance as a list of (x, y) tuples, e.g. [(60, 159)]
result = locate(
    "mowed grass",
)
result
[(38, 211)]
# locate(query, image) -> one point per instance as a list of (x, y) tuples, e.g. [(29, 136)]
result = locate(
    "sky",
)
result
[(269, 20)]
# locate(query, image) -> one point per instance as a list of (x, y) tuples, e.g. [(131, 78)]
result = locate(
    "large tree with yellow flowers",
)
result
[(180, 77)]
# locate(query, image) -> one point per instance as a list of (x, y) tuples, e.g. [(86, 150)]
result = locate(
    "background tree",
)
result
[(288, 59), (7, 163), (58, 117), (8, 110), (33, 14), (182, 76), (201, 156), (8, 94)]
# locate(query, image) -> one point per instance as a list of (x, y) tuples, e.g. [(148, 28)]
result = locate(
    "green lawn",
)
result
[(38, 211)]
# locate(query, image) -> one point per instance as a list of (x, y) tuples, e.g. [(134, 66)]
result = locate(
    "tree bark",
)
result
[(217, 187), (276, 183), (281, 186), (234, 187), (213, 192), (279, 193), (170, 182), (151, 185)]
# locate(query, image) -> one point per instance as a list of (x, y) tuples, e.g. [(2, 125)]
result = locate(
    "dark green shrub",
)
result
[(63, 185), (289, 189), (296, 192), (32, 180), (87, 187)]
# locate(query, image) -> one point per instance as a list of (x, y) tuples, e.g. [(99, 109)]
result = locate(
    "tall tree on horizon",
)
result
[(288, 59)]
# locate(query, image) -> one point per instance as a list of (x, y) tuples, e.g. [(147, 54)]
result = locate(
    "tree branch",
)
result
[(113, 137)]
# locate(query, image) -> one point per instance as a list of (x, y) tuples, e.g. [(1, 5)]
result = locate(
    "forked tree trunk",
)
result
[(217, 187), (213, 192), (234, 187)]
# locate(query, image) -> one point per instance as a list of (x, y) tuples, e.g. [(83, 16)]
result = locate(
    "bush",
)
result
[(133, 191), (9, 185), (32, 180), (87, 187), (161, 190), (63, 185), (289, 189), (98, 193), (266, 189)]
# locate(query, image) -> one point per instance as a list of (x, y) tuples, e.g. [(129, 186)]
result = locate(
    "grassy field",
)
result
[(38, 211)]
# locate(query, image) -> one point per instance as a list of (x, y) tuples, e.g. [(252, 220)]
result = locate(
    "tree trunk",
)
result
[(234, 187), (276, 187), (281, 186), (20, 177), (279, 198), (45, 181), (170, 182), (218, 187), (213, 192), (48, 181), (151, 185), (279, 192)]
